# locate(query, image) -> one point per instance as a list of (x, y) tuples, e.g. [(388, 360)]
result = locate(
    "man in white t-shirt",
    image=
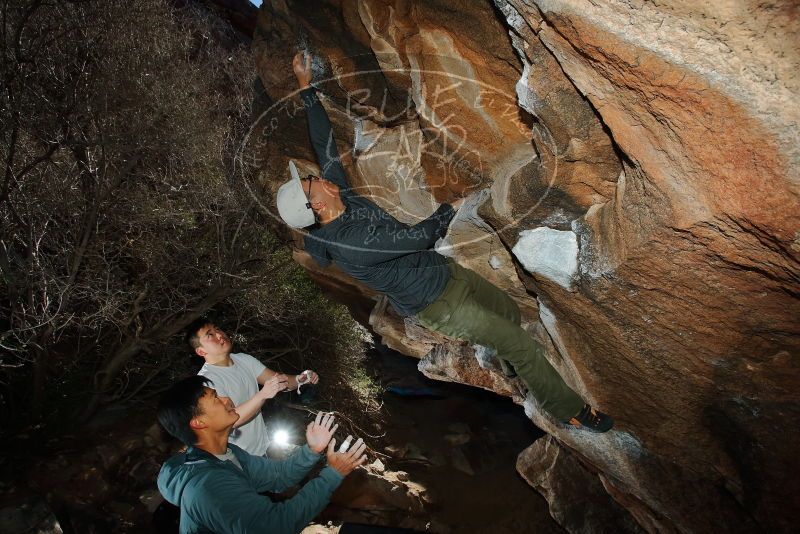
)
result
[(237, 377)]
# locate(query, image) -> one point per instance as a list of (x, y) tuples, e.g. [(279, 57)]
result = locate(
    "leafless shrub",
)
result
[(122, 215)]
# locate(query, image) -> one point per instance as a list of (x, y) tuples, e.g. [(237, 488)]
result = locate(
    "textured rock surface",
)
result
[(578, 500), (33, 516), (457, 363), (376, 496), (664, 135)]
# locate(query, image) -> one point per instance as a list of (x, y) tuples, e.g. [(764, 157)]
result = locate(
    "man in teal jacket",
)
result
[(217, 485)]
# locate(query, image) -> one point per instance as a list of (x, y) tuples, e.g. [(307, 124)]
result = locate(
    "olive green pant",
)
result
[(472, 309)]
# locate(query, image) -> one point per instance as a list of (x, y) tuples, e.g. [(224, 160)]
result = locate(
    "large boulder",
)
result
[(578, 501), (30, 516), (632, 172)]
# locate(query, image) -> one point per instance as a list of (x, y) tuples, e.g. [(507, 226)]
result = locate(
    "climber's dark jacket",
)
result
[(369, 244)]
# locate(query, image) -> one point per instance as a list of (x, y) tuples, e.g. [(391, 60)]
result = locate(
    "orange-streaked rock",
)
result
[(665, 136)]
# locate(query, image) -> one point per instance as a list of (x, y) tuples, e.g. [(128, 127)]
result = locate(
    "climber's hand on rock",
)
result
[(301, 65)]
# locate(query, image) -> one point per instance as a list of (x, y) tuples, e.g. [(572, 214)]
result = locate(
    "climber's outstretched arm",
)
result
[(319, 126)]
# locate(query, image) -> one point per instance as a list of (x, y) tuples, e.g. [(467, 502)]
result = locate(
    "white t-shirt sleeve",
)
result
[(252, 364), (217, 382)]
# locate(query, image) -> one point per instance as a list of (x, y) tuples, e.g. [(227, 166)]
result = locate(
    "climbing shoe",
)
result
[(596, 421)]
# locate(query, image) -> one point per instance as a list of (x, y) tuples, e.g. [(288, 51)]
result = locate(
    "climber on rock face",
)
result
[(397, 260)]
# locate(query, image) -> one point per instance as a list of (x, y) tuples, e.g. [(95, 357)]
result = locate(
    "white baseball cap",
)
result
[(293, 205)]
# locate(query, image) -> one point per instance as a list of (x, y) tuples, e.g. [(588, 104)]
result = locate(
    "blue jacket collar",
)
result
[(194, 454)]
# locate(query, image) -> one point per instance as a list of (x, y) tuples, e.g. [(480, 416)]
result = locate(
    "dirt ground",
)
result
[(495, 499)]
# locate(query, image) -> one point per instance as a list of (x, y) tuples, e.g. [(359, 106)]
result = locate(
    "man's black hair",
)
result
[(190, 334), (179, 405)]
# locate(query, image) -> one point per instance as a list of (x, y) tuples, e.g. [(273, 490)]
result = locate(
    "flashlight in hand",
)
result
[(281, 437)]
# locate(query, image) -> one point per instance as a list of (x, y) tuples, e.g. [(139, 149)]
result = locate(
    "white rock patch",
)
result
[(485, 356), (549, 253)]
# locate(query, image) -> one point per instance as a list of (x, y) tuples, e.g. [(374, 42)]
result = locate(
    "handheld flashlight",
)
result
[(281, 437)]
